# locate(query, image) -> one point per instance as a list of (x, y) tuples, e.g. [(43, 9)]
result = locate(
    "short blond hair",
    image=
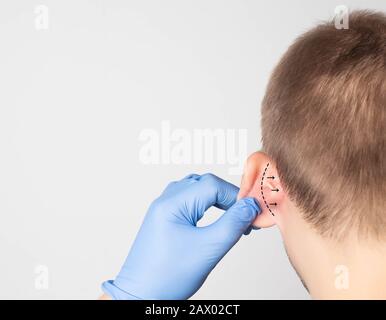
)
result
[(324, 124)]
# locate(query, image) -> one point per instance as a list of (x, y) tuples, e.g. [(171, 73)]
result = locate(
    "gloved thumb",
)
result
[(236, 220)]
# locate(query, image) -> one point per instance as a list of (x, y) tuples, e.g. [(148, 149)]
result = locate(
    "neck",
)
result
[(349, 270)]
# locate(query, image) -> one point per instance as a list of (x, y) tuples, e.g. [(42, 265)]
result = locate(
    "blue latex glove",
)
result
[(171, 257)]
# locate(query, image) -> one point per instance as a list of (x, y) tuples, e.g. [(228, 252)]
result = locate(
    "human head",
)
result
[(324, 140)]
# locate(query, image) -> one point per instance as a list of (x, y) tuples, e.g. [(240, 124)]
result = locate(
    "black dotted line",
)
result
[(261, 189)]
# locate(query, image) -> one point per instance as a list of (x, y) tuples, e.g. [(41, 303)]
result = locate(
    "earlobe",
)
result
[(261, 181)]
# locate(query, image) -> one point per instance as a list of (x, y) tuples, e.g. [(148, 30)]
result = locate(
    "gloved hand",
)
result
[(171, 257)]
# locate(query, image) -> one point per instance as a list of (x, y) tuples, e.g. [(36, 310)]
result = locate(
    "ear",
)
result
[(261, 181)]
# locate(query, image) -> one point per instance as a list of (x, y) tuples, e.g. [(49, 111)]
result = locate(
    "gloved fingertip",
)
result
[(247, 209), (256, 206), (253, 202)]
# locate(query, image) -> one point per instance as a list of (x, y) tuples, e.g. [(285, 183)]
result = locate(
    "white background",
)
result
[(73, 101)]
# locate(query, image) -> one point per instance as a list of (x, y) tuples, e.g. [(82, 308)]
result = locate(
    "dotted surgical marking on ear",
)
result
[(262, 192)]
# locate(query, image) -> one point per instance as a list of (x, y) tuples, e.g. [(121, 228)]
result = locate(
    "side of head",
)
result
[(321, 177)]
